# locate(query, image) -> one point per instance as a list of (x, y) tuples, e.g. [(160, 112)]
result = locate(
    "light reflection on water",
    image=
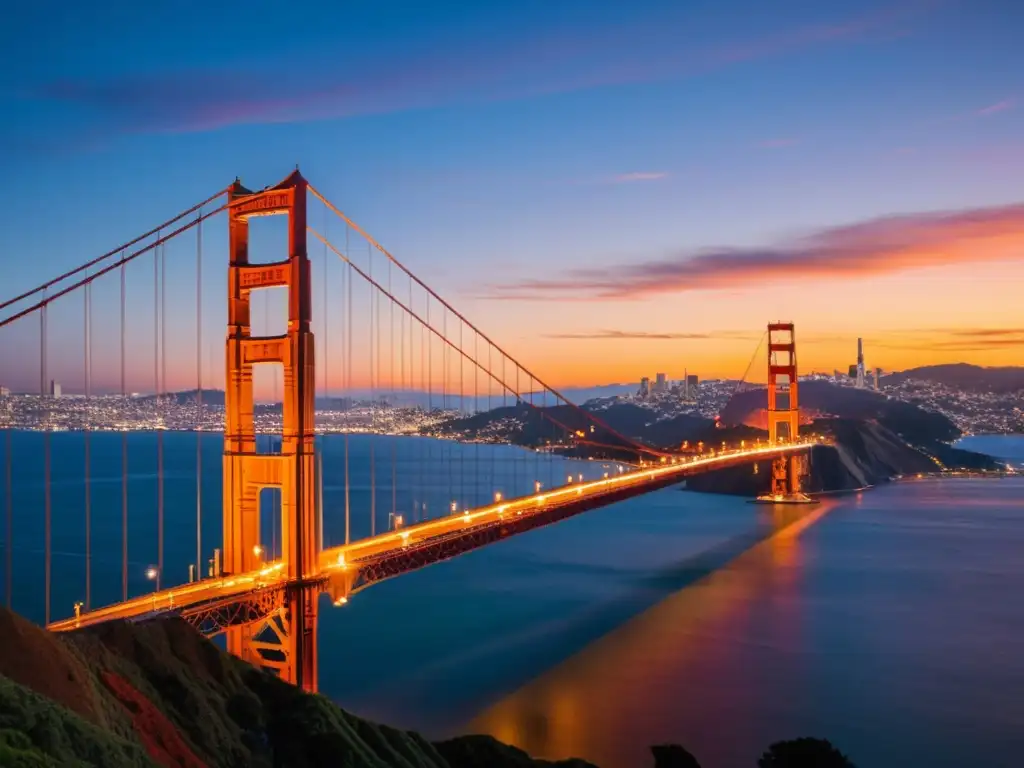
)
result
[(889, 622), (691, 642)]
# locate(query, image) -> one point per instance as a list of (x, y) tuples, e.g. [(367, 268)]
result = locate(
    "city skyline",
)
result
[(628, 187)]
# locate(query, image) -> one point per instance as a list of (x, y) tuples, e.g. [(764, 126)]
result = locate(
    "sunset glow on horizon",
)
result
[(606, 192)]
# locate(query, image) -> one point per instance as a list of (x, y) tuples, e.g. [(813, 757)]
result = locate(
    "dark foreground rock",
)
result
[(159, 694)]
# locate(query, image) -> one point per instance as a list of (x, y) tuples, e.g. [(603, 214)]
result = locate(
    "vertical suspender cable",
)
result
[(124, 450), (347, 276), (373, 403), (320, 502), (46, 451), (327, 355), (444, 396), (476, 409), (199, 394), (391, 404), (87, 325), (430, 390), (8, 538), (462, 415), (157, 318)]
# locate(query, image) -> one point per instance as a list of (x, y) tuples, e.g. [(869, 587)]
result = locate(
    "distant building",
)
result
[(645, 388), (5, 392), (861, 383), (878, 375), (690, 387), (853, 371), (660, 383), (54, 389)]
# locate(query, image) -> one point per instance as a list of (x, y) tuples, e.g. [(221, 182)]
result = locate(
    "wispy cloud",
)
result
[(627, 178), (873, 247), (652, 335), (999, 106), (290, 91), (950, 339)]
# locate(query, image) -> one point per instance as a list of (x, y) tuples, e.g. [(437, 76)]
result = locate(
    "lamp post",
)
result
[(153, 574)]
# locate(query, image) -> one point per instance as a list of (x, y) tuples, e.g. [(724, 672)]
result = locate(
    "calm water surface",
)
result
[(889, 622)]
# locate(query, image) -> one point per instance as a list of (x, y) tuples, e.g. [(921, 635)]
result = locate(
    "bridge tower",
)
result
[(783, 412), (284, 641)]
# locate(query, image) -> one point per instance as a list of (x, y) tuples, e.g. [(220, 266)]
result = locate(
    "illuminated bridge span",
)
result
[(417, 366)]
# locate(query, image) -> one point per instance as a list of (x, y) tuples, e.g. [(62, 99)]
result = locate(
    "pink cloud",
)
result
[(188, 101), (877, 246), (626, 178), (999, 106)]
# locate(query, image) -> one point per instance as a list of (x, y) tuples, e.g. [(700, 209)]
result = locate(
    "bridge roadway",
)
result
[(348, 568)]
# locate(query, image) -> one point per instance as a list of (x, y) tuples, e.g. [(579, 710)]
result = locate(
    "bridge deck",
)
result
[(350, 567)]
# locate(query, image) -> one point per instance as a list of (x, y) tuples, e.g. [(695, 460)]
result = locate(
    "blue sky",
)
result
[(496, 146)]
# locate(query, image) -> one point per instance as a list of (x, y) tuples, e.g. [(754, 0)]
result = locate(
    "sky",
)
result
[(608, 189)]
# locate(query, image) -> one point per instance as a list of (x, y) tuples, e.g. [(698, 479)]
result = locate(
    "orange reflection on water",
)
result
[(676, 663)]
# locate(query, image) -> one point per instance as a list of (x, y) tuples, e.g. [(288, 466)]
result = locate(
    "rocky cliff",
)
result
[(864, 453), (159, 694)]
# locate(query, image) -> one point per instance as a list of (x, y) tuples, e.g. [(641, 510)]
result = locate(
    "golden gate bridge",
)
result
[(266, 600)]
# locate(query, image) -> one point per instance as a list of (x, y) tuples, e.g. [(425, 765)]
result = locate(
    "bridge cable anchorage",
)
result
[(121, 248), (433, 332), (586, 414)]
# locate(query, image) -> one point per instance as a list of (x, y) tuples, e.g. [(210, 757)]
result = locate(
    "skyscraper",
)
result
[(660, 383), (690, 387), (645, 387), (54, 389), (860, 364)]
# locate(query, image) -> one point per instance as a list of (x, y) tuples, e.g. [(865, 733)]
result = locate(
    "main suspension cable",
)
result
[(125, 259), (587, 414), (89, 264)]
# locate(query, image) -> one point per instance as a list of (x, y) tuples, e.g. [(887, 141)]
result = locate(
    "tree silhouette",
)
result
[(804, 753), (673, 756)]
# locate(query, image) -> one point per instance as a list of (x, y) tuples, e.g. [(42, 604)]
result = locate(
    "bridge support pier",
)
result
[(783, 415), (286, 640)]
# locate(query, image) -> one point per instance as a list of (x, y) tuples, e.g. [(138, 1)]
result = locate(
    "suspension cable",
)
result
[(199, 395), (427, 327), (125, 259), (46, 451), (87, 352), (9, 538), (370, 240), (124, 449), (108, 254), (746, 371), (159, 408)]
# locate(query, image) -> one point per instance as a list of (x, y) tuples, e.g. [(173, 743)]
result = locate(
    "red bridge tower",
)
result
[(285, 640), (783, 413)]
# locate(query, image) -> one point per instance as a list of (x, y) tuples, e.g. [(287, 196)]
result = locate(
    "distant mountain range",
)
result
[(964, 376), (413, 399)]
